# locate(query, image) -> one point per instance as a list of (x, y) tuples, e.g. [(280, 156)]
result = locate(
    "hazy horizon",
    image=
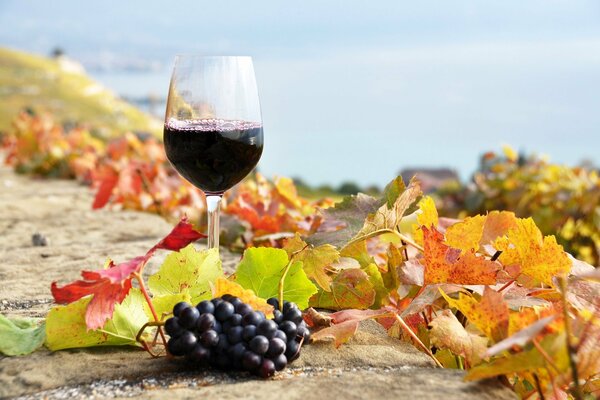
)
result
[(353, 91)]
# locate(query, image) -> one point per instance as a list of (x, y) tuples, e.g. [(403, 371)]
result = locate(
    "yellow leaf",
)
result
[(224, 286), (540, 258), (490, 315), (427, 217), (466, 235), (316, 261), (510, 153), (447, 333)]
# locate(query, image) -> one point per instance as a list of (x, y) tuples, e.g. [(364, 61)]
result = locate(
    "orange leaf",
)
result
[(224, 286), (490, 314), (444, 264)]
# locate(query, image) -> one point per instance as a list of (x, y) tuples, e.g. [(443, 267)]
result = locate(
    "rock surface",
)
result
[(372, 365)]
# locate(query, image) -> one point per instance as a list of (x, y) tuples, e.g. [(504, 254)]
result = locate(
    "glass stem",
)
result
[(213, 205)]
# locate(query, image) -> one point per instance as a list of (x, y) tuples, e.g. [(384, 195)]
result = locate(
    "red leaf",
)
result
[(182, 235), (108, 181), (110, 286), (345, 325)]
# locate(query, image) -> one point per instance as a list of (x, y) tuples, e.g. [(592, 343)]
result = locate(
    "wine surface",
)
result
[(213, 154)]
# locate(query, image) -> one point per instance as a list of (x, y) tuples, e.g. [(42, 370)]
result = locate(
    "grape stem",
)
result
[(284, 274), (138, 276), (416, 339)]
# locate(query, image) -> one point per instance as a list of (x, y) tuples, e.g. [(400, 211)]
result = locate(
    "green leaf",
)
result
[(381, 292), (393, 190), (66, 328), (187, 270), (261, 270), (351, 288), (20, 336), (164, 304)]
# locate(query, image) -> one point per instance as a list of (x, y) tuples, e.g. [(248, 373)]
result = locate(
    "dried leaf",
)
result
[(447, 333), (351, 288), (316, 261), (225, 286)]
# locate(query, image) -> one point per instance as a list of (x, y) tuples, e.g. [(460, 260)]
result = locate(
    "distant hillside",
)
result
[(61, 87)]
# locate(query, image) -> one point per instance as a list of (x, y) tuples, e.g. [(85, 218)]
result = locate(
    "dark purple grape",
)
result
[(287, 305), (259, 344), (199, 355), (252, 318), (277, 316), (173, 328), (224, 311), (243, 309), (274, 302), (292, 350), (175, 347), (235, 302), (267, 368), (235, 320), (304, 332), (223, 343), (206, 306), (228, 297), (235, 334), (289, 328), (276, 347), (179, 307), (266, 328), (280, 362), (293, 314), (209, 338), (249, 332), (236, 352), (187, 341), (216, 301), (218, 327), (281, 335), (251, 361), (205, 322), (188, 317)]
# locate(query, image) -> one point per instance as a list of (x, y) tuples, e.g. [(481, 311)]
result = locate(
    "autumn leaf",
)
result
[(224, 286), (66, 325), (261, 270), (108, 179), (427, 217), (20, 336), (351, 288), (389, 215), (316, 261), (490, 314), (110, 286), (444, 264), (466, 235), (187, 271), (540, 258), (345, 324), (520, 338), (447, 333)]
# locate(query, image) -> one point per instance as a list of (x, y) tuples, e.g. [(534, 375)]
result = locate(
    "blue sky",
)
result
[(357, 90)]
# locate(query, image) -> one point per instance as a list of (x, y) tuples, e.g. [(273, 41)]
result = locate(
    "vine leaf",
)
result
[(316, 261), (448, 333), (261, 269), (345, 324), (66, 325), (225, 286), (540, 258), (427, 217), (444, 264), (351, 288), (187, 271), (20, 336), (110, 286)]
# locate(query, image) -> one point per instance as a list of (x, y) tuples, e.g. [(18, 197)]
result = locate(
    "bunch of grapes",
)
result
[(227, 333)]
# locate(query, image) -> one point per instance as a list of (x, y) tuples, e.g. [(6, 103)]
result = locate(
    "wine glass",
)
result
[(213, 131)]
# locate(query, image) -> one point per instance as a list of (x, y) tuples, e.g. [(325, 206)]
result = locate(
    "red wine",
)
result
[(213, 154)]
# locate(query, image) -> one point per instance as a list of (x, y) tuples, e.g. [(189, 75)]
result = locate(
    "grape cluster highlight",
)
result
[(227, 333)]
